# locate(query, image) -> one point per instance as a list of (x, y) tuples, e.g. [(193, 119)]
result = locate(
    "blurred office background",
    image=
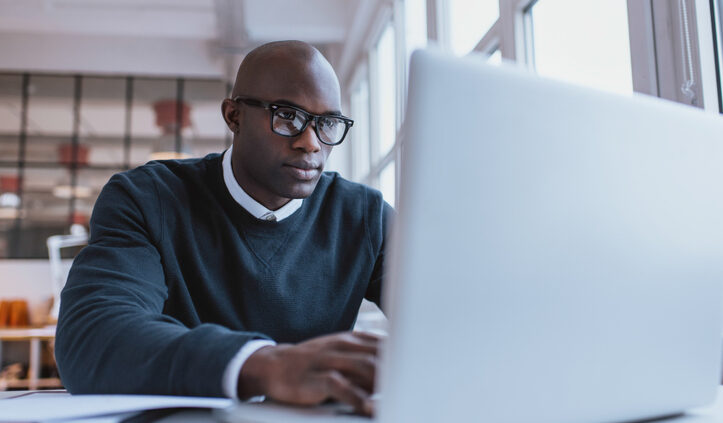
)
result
[(89, 88)]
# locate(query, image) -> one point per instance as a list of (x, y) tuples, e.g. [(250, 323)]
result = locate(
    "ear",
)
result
[(231, 114)]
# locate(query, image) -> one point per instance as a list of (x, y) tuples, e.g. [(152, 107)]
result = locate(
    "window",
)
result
[(415, 25), (384, 93), (717, 13), (468, 21), (387, 183), (103, 119), (79, 131), (10, 111), (207, 130), (360, 131), (582, 42), (157, 106), (50, 116)]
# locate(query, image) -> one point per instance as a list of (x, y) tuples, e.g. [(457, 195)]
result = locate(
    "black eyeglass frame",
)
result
[(273, 107)]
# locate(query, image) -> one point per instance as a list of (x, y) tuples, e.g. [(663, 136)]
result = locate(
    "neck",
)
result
[(255, 191), (271, 204)]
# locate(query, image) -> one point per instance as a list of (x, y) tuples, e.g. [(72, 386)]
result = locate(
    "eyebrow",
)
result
[(291, 103)]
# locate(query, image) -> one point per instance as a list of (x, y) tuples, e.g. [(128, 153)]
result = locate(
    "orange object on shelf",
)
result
[(65, 154), (79, 218), (19, 316), (167, 115), (14, 314), (9, 183), (4, 313)]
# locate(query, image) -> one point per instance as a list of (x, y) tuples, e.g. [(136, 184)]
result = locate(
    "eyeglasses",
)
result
[(290, 121)]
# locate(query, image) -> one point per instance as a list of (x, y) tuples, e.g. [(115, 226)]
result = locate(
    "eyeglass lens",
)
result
[(290, 122)]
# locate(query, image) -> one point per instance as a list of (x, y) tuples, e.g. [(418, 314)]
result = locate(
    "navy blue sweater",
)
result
[(177, 277)]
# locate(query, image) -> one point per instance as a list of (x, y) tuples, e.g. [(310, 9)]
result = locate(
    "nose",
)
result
[(307, 140)]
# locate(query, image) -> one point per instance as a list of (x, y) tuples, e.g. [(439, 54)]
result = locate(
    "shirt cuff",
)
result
[(233, 368)]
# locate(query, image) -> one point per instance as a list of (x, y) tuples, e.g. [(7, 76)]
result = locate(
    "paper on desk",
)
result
[(108, 418), (38, 408)]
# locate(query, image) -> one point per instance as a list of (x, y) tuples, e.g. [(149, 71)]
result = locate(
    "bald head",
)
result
[(270, 166), (282, 68)]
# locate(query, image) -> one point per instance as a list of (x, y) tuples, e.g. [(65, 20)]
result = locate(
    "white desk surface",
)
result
[(710, 414)]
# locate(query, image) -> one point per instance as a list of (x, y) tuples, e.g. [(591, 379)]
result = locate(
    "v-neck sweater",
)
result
[(177, 277)]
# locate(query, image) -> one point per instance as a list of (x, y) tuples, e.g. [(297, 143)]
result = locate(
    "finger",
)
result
[(360, 382), (341, 389), (350, 342), (360, 368), (372, 336)]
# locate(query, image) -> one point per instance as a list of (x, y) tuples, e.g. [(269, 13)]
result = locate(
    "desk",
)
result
[(710, 414), (34, 336)]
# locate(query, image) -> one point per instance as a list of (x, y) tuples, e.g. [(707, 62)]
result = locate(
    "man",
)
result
[(237, 274)]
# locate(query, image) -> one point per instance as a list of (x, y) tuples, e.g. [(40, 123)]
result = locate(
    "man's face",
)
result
[(273, 168)]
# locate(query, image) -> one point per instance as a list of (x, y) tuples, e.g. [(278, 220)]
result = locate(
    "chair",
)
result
[(59, 272)]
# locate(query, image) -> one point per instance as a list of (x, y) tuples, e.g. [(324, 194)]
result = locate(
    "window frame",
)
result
[(393, 15), (656, 50), (75, 166), (655, 41)]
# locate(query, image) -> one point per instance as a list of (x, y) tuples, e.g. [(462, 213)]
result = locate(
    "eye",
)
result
[(286, 114), (329, 123)]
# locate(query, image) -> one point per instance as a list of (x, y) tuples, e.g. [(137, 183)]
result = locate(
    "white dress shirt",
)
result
[(256, 209)]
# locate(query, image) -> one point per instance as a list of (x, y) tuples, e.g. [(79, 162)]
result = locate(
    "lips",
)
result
[(303, 164), (303, 170)]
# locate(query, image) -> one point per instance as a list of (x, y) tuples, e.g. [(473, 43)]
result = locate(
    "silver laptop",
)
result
[(558, 255)]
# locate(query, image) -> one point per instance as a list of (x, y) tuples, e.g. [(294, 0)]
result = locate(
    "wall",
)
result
[(110, 55)]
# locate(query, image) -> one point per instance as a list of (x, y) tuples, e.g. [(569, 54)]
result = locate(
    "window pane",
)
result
[(50, 106), (207, 130), (415, 24), (45, 211), (360, 131), (469, 21), (50, 198), (50, 117), (89, 182), (153, 118), (10, 111), (9, 206), (583, 42), (6, 227), (718, 8), (385, 91), (103, 120), (387, 186)]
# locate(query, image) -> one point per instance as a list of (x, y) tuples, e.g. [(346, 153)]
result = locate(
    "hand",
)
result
[(340, 366)]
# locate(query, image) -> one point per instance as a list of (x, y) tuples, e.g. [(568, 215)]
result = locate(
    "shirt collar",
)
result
[(252, 206)]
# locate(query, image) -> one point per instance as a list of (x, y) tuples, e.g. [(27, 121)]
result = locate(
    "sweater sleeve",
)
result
[(112, 335)]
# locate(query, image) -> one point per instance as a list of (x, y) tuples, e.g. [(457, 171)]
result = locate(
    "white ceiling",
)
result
[(156, 18), (161, 37), (317, 21)]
